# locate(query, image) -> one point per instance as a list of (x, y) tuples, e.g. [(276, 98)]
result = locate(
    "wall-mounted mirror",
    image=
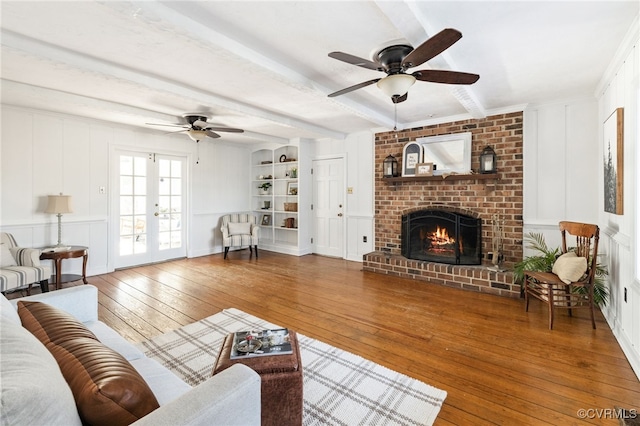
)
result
[(448, 153)]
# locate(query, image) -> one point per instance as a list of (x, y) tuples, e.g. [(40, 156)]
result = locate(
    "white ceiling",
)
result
[(263, 65)]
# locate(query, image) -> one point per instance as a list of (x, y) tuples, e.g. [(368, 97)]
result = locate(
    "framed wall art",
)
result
[(424, 169), (266, 220), (292, 188), (411, 155), (613, 162)]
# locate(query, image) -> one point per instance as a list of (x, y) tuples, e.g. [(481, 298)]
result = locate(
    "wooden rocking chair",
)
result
[(555, 288)]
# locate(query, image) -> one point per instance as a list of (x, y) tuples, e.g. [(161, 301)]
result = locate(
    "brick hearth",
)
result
[(477, 197)]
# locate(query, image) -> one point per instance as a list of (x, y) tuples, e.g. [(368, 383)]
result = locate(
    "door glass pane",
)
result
[(133, 190), (170, 204)]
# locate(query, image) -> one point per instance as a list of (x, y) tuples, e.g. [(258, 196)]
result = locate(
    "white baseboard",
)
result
[(631, 352)]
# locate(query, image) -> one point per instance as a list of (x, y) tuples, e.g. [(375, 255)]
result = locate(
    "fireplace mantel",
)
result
[(449, 178)]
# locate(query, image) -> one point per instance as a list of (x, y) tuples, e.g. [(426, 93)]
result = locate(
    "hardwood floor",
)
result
[(499, 364)]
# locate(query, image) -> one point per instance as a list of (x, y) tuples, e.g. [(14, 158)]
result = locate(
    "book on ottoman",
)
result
[(281, 390), (254, 343)]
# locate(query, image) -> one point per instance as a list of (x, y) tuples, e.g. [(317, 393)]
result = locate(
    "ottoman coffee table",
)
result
[(281, 378)]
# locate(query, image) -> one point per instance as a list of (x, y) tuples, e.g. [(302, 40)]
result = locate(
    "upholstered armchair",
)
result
[(238, 230), (20, 267)]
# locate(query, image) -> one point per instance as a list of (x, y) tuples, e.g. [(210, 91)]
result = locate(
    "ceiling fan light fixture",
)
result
[(396, 84), (197, 135)]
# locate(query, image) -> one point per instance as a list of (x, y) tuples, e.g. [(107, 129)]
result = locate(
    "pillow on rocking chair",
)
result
[(569, 267)]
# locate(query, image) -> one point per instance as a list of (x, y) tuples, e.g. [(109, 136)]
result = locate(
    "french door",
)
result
[(149, 208), (328, 207)]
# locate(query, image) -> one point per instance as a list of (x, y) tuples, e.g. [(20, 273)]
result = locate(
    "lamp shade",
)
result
[(396, 84), (59, 204), (197, 135)]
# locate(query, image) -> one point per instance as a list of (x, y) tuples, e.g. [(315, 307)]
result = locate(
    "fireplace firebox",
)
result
[(442, 236)]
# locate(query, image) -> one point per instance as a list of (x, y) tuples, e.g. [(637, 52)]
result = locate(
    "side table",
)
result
[(70, 253)]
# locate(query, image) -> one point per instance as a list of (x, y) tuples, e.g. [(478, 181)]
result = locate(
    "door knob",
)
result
[(339, 214), (156, 214)]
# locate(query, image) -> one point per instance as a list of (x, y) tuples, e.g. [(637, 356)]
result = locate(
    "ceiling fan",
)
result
[(197, 127), (395, 60)]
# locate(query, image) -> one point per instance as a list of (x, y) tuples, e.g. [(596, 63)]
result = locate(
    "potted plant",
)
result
[(264, 187), (544, 261)]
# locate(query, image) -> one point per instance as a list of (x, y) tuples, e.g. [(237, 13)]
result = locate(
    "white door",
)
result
[(328, 207), (149, 208)]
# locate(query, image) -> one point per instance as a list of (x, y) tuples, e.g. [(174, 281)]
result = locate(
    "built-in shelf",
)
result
[(448, 178)]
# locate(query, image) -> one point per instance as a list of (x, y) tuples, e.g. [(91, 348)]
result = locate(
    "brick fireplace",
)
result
[(479, 197)]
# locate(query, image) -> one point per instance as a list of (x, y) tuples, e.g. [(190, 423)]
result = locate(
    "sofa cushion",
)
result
[(569, 267), (106, 387), (6, 258), (33, 387), (240, 228), (8, 311), (110, 338), (166, 386)]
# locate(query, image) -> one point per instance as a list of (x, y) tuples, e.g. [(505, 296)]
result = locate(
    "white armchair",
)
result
[(20, 267), (240, 229)]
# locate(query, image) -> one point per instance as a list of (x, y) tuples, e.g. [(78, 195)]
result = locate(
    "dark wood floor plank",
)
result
[(498, 363)]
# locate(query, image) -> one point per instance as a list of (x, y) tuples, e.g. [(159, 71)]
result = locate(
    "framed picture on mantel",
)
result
[(411, 157)]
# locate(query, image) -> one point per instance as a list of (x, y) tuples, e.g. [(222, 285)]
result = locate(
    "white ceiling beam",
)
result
[(99, 66), (408, 17), (130, 115), (207, 35)]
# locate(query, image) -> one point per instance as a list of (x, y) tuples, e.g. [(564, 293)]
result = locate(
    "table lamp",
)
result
[(59, 204)]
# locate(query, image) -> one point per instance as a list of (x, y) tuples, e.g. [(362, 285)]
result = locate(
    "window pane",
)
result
[(164, 186), (164, 168), (126, 245), (176, 186), (126, 185), (126, 205), (126, 165), (176, 206), (140, 166), (140, 185), (140, 205), (176, 169)]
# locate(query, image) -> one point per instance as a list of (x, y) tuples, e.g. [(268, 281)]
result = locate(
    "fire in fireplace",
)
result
[(442, 236)]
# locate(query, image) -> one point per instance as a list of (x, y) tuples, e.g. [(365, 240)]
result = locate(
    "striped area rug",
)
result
[(340, 388)]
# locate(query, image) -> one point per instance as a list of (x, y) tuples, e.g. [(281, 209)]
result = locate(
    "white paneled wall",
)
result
[(620, 88), (45, 153)]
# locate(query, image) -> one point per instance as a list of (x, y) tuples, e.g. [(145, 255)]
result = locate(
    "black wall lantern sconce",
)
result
[(390, 167), (488, 161)]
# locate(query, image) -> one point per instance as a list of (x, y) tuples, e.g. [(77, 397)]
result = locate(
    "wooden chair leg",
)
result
[(226, 250), (550, 294), (593, 317), (44, 286), (256, 248)]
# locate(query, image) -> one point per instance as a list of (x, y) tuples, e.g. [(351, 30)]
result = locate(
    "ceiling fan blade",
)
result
[(352, 88), (398, 99), (168, 125), (354, 60), (223, 129), (431, 48), (211, 134), (447, 77)]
